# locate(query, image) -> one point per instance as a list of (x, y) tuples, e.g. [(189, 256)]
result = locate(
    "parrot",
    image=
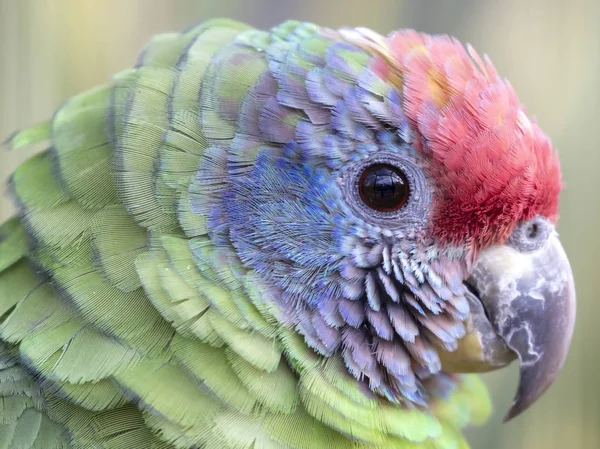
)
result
[(299, 238)]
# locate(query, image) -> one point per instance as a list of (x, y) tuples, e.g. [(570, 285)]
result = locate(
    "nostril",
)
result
[(531, 235)]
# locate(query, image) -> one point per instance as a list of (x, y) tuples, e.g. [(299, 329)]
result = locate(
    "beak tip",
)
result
[(515, 410)]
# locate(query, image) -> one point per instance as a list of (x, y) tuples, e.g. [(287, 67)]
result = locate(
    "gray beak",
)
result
[(526, 288)]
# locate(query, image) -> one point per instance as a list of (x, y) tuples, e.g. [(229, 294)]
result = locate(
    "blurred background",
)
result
[(550, 51)]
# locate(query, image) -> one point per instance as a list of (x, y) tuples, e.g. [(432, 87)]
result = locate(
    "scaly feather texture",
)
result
[(187, 269)]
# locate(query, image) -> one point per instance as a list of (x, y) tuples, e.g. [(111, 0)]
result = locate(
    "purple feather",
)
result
[(353, 312)]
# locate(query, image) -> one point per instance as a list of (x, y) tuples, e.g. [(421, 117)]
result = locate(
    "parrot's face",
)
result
[(413, 230)]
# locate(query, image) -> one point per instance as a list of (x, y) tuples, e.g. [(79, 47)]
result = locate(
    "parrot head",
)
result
[(409, 224)]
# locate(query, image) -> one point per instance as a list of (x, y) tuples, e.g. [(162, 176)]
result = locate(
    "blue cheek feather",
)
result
[(282, 220)]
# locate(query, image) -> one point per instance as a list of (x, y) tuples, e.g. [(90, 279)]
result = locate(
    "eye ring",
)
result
[(383, 187), (413, 213)]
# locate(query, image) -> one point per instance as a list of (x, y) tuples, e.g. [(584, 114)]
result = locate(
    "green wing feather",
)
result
[(122, 326)]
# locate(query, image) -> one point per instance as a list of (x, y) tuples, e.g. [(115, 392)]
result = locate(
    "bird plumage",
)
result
[(185, 272)]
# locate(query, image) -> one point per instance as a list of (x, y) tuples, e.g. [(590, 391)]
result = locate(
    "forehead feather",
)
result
[(493, 165)]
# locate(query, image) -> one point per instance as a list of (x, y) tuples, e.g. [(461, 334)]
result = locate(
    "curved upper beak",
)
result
[(529, 299)]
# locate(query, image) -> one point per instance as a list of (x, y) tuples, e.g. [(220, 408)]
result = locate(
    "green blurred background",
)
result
[(549, 49)]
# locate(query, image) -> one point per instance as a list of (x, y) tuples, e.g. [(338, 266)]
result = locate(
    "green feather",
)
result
[(128, 316), (117, 241), (27, 428), (180, 437), (210, 367), (19, 390), (186, 309), (119, 428), (49, 215), (75, 363), (50, 436), (232, 71), (38, 310), (258, 350), (94, 396), (256, 312), (249, 433), (290, 430), (169, 391), (192, 224), (35, 186), (15, 283), (276, 390), (23, 422), (469, 404), (180, 258), (13, 243), (28, 136), (82, 149), (179, 158)]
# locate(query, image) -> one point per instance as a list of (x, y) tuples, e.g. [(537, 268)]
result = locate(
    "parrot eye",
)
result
[(389, 189), (383, 187)]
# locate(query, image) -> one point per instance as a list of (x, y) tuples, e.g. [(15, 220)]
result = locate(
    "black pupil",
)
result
[(383, 187)]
